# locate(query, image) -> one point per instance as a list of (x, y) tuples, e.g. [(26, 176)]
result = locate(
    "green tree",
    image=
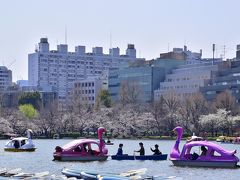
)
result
[(28, 110), (32, 98), (105, 98)]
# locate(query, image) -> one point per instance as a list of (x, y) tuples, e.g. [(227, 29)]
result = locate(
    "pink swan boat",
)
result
[(83, 149), (214, 155)]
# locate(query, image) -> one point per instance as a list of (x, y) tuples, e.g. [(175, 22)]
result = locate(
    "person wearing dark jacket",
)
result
[(120, 151), (141, 150), (156, 150)]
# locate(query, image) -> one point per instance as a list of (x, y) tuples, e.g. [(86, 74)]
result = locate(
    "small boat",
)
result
[(221, 138), (83, 150), (237, 140), (109, 142), (195, 138), (56, 136), (215, 155), (21, 144), (146, 157), (71, 172)]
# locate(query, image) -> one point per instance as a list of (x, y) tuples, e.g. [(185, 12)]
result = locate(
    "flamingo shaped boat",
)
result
[(214, 155), (20, 144), (83, 149)]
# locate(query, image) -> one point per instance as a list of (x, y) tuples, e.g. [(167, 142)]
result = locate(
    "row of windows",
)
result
[(186, 78), (88, 98), (89, 91), (89, 84), (180, 87)]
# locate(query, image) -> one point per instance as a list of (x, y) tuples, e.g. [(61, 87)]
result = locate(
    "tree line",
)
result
[(128, 118)]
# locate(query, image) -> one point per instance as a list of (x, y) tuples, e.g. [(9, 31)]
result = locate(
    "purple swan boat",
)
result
[(212, 154), (83, 149)]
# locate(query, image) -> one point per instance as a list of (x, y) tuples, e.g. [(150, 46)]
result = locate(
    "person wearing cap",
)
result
[(142, 150), (120, 151), (156, 150)]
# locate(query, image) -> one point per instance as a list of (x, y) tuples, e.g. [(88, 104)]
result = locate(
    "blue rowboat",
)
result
[(147, 157)]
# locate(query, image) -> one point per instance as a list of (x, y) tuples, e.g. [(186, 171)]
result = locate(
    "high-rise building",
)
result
[(186, 79), (227, 78), (5, 78), (138, 81), (58, 70)]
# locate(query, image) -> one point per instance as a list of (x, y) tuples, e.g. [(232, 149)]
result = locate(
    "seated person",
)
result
[(90, 151), (141, 150), (204, 151), (77, 149), (120, 151), (16, 144), (156, 150), (85, 147), (23, 142), (194, 156)]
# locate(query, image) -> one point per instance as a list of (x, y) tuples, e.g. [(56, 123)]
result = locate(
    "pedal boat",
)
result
[(74, 151), (146, 157), (216, 156), (21, 144)]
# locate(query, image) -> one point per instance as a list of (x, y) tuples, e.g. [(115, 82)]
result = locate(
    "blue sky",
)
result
[(152, 25)]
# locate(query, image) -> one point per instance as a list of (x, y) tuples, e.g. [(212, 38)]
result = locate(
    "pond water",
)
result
[(41, 160)]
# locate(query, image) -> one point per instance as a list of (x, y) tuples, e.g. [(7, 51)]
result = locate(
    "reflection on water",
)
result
[(41, 160)]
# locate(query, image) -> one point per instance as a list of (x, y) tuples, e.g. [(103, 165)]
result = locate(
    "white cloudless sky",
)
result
[(152, 25)]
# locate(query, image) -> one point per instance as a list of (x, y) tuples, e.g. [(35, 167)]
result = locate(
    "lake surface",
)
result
[(41, 160)]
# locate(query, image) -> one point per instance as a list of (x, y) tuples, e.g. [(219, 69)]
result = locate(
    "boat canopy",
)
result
[(19, 139), (78, 142), (209, 145)]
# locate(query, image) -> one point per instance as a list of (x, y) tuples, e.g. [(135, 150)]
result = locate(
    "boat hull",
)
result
[(19, 150), (147, 157), (80, 158), (213, 164)]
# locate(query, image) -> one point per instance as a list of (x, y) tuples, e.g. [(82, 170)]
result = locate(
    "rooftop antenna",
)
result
[(213, 49), (65, 34), (168, 47), (224, 51)]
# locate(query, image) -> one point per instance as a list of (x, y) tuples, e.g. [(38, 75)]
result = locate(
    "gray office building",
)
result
[(227, 78)]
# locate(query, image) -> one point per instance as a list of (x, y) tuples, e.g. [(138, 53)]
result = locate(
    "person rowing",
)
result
[(141, 150), (156, 151)]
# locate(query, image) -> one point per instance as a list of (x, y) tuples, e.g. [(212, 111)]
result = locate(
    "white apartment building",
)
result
[(87, 90), (5, 78), (58, 70), (186, 80)]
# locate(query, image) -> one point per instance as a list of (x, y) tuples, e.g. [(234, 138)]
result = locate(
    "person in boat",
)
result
[(141, 150), (85, 147), (77, 149), (90, 151), (16, 144), (120, 151), (156, 151), (204, 151), (23, 142)]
